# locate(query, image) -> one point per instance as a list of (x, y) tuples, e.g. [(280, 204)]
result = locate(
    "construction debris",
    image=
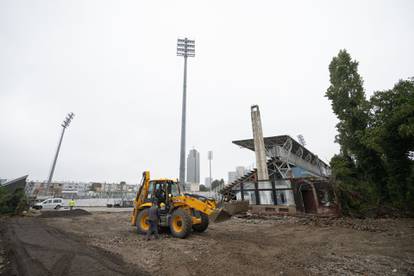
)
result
[(64, 213)]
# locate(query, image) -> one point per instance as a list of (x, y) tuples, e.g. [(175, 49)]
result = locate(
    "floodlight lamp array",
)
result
[(185, 47), (68, 119)]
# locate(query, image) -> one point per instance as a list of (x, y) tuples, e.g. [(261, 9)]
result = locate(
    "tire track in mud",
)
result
[(39, 249)]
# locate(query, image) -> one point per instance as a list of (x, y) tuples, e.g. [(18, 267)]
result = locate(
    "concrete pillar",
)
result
[(259, 148)]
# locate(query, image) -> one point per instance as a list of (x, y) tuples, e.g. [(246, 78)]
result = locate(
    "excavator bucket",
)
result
[(229, 209), (235, 207), (220, 215)]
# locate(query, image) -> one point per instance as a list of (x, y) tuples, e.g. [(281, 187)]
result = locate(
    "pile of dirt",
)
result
[(367, 224), (249, 215), (64, 213)]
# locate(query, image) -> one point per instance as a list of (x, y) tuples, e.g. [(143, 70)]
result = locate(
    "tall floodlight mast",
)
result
[(64, 125), (301, 140), (210, 157), (185, 48)]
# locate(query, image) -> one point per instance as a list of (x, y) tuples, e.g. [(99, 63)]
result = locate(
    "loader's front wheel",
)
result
[(180, 224), (142, 221), (203, 225)]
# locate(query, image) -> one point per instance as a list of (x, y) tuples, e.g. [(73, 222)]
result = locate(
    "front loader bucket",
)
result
[(229, 209), (219, 216), (235, 207)]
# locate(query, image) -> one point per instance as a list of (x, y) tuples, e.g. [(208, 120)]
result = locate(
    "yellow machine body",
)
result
[(181, 213)]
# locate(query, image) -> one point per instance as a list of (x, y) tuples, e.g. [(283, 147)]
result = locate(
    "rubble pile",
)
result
[(64, 213), (368, 224)]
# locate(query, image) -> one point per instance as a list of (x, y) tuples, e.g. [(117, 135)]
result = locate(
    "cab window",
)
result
[(150, 189), (174, 189), (56, 201)]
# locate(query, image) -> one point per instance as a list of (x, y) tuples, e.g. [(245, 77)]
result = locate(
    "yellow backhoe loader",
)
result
[(182, 213)]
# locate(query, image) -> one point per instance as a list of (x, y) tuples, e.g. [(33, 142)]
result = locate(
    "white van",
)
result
[(51, 203)]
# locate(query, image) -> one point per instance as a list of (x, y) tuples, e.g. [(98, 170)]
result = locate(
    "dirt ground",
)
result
[(34, 248), (248, 246)]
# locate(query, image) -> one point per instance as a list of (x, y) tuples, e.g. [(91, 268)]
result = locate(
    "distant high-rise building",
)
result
[(193, 166), (240, 170), (232, 177), (207, 182)]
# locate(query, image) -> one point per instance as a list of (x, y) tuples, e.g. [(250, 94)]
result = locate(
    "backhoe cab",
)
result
[(181, 213)]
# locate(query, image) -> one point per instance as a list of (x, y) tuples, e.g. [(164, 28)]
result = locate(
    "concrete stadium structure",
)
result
[(298, 181)]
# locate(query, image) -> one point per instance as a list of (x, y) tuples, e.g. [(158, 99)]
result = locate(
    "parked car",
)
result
[(51, 203)]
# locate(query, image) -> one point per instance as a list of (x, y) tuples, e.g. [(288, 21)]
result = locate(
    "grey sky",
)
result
[(113, 64)]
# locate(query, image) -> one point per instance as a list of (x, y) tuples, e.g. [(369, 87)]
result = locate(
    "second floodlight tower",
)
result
[(185, 48), (64, 125)]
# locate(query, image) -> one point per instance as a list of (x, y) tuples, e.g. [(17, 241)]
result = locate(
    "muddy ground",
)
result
[(248, 246), (34, 248)]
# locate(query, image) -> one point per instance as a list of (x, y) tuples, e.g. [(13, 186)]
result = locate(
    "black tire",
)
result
[(180, 224), (203, 225), (57, 207), (142, 222)]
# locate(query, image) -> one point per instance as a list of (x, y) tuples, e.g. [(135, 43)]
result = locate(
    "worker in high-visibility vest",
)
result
[(71, 203)]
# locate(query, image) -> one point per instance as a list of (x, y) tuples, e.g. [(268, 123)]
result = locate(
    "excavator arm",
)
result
[(194, 203), (141, 196), (207, 207)]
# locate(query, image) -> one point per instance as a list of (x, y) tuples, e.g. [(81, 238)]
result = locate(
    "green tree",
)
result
[(373, 168), (12, 202), (392, 135), (217, 183), (203, 188), (349, 103)]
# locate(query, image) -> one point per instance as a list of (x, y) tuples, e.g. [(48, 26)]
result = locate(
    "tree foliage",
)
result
[(12, 202), (217, 183), (392, 135), (203, 188), (373, 168)]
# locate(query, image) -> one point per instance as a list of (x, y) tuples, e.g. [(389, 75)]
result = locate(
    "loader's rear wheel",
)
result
[(201, 227), (142, 221), (180, 224)]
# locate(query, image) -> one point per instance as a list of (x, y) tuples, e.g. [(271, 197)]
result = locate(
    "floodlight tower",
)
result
[(210, 157), (64, 125), (301, 140), (185, 48)]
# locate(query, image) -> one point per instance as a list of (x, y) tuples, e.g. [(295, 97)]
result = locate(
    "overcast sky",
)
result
[(114, 64)]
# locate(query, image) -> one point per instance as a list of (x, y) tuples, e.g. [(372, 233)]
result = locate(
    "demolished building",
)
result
[(12, 185), (289, 178)]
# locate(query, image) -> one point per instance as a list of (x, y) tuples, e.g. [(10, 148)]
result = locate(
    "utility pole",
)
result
[(64, 125), (185, 48)]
